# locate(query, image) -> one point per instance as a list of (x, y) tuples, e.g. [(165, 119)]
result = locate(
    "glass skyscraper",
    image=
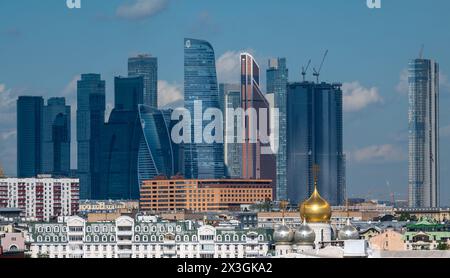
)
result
[(314, 137), (277, 80), (56, 137), (255, 164), (233, 148), (121, 139), (29, 136), (146, 66), (156, 155), (90, 120), (423, 133), (202, 160)]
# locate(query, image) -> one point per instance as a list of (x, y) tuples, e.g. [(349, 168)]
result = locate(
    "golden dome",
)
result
[(316, 209)]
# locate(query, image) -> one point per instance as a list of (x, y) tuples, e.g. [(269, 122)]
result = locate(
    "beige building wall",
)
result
[(388, 241)]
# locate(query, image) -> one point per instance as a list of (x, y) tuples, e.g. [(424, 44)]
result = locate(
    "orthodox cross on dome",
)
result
[(316, 170)]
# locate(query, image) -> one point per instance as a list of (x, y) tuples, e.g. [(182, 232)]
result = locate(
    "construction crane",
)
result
[(317, 72), (305, 70)]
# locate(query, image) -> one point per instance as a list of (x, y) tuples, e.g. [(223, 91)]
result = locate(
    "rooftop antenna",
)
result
[(305, 70), (421, 52), (317, 72)]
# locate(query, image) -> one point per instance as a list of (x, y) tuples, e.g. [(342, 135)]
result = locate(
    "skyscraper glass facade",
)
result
[(147, 67), (277, 80), (233, 148), (121, 139), (202, 160), (255, 164), (423, 133), (314, 137), (56, 137), (90, 120), (156, 156), (29, 136)]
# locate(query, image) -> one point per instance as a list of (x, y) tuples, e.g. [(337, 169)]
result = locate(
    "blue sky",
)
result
[(44, 47)]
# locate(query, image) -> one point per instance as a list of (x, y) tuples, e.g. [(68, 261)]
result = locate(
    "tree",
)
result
[(443, 246)]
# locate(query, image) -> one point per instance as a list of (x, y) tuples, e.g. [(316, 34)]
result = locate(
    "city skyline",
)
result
[(375, 135)]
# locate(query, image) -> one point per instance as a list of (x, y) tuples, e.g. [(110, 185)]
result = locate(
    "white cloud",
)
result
[(71, 88), (8, 134), (378, 153), (141, 9), (402, 86), (357, 97), (229, 66), (169, 93)]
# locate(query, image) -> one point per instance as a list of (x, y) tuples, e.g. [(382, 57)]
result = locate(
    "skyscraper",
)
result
[(423, 133), (277, 80), (314, 137), (146, 66), (56, 137), (232, 147), (156, 156), (121, 139), (90, 120), (202, 160), (29, 136), (255, 164)]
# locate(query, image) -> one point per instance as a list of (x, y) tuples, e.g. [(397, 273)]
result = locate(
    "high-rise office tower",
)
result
[(146, 66), (121, 139), (423, 133), (29, 136), (202, 160), (156, 156), (277, 80), (232, 147), (90, 120), (314, 137), (255, 164), (56, 138)]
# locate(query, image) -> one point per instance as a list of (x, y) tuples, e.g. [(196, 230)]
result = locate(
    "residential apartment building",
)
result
[(40, 198)]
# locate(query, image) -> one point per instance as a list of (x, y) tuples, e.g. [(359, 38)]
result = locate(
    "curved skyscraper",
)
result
[(156, 156), (202, 160)]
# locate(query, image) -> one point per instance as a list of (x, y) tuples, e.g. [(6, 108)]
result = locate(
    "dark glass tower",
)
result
[(200, 84), (90, 120), (29, 136), (314, 137), (121, 139), (56, 143), (277, 80), (147, 67), (423, 133)]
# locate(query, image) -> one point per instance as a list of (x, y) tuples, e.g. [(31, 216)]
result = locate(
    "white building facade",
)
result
[(40, 198), (144, 238)]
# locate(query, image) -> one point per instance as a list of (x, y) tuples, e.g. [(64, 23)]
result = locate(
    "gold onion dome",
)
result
[(316, 209)]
